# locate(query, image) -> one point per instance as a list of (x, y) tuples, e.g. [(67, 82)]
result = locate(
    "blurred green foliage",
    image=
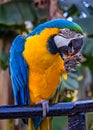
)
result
[(59, 122), (14, 13), (3, 60)]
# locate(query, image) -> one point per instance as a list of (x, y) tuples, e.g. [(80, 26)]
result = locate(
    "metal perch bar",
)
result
[(59, 109), (77, 122), (74, 110)]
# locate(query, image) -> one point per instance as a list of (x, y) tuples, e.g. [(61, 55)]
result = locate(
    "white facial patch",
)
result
[(61, 41)]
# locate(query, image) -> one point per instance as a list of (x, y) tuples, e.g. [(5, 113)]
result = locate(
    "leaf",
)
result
[(71, 83), (3, 60), (12, 13), (87, 49), (72, 75), (73, 11), (86, 24), (80, 5), (88, 52), (41, 13)]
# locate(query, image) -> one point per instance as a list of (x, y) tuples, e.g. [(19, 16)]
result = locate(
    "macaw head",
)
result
[(68, 41)]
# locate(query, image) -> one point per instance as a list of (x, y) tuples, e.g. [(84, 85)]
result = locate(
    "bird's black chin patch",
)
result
[(63, 51)]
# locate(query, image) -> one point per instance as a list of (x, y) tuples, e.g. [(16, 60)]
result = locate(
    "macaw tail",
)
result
[(30, 125), (45, 125)]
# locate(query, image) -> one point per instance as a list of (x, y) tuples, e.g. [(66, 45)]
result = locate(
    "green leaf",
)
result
[(86, 24), (3, 60), (88, 52), (58, 123), (87, 49), (73, 11), (80, 5), (71, 83), (12, 13), (41, 13), (72, 75)]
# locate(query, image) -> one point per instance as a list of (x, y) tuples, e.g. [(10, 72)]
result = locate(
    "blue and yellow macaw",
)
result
[(37, 63)]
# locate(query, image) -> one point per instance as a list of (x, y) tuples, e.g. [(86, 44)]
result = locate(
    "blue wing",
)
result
[(19, 71), (19, 75)]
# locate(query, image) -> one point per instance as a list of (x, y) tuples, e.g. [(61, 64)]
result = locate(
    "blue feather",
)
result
[(19, 71), (19, 76), (58, 23)]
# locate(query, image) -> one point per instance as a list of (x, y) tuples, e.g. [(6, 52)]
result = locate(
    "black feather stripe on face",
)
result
[(51, 46)]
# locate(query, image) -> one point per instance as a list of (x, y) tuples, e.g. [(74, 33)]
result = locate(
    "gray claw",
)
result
[(45, 106)]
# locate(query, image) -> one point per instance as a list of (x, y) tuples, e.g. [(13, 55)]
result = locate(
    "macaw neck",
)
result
[(51, 46)]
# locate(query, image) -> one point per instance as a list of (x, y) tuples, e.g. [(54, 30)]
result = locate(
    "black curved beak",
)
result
[(77, 45), (74, 47)]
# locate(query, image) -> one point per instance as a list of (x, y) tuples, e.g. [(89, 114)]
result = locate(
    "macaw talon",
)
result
[(45, 106), (71, 69), (70, 63), (80, 58)]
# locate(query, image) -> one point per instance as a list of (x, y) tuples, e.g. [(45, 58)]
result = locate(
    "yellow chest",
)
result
[(45, 69)]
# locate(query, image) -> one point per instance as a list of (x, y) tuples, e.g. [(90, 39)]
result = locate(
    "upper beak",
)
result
[(72, 49)]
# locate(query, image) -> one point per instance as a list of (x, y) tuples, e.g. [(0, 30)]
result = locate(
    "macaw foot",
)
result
[(45, 106), (70, 63)]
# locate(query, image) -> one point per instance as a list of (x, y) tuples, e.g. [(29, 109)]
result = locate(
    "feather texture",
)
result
[(57, 23), (19, 71), (35, 71), (44, 67)]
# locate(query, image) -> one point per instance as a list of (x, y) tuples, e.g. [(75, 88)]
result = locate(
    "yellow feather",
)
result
[(45, 69)]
